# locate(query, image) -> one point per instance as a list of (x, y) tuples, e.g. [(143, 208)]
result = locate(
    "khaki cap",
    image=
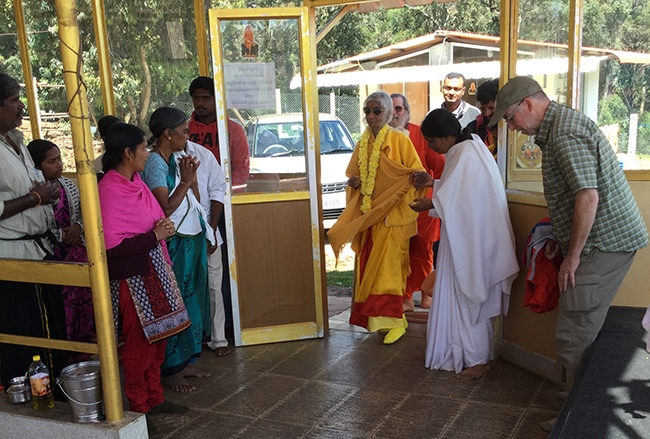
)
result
[(515, 90)]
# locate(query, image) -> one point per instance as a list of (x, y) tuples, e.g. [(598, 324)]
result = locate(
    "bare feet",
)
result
[(425, 302), (474, 372), (193, 371), (222, 351), (408, 305), (178, 383)]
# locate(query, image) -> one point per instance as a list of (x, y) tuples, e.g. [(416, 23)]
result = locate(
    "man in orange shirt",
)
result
[(421, 247)]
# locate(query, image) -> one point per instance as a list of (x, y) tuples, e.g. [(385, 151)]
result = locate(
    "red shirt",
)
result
[(207, 136)]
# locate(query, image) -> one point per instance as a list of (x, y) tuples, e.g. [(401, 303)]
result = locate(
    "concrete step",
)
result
[(21, 420)]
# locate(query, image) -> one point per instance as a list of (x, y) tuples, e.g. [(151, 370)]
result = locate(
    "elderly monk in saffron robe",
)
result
[(379, 221)]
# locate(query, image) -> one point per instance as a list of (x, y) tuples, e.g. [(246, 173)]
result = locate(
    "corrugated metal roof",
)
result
[(427, 41), (369, 6), (477, 70)]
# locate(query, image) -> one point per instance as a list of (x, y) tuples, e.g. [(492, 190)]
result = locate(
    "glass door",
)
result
[(272, 208)]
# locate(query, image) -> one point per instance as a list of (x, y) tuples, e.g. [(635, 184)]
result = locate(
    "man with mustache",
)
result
[(453, 89), (29, 309)]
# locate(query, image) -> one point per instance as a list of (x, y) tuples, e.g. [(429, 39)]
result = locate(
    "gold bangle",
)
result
[(40, 200)]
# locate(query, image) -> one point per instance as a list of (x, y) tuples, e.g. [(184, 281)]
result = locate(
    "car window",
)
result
[(287, 139), (334, 138), (279, 139)]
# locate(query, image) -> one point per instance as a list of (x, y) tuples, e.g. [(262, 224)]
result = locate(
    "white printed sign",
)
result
[(250, 85)]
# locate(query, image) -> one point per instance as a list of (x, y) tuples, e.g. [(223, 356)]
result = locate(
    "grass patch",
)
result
[(340, 278)]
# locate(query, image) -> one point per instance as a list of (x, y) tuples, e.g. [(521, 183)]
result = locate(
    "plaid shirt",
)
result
[(576, 155)]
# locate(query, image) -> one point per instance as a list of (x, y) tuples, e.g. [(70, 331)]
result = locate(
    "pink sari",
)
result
[(128, 208)]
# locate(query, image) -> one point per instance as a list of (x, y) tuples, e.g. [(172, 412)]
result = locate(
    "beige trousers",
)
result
[(583, 308)]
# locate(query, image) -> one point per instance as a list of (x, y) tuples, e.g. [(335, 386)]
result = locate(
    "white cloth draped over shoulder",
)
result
[(476, 261), (211, 181), (187, 217)]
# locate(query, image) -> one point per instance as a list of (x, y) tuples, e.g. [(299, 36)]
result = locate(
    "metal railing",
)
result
[(95, 273)]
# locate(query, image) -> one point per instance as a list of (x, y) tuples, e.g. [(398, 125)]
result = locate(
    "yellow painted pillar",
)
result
[(83, 151), (201, 38), (575, 49), (103, 57), (309, 68), (508, 58), (508, 40), (32, 98)]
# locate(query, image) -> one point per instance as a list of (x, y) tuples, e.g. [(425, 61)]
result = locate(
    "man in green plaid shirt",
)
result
[(593, 214)]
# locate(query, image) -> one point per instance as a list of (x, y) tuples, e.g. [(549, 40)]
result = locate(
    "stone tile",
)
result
[(420, 416), (356, 367), (418, 330), (212, 390), (444, 384), (209, 425), (310, 361), (402, 373), (529, 426), (362, 412), (269, 355), (413, 347), (345, 339), (508, 384), (265, 429), (484, 421), (310, 404), (255, 400), (321, 433), (546, 399)]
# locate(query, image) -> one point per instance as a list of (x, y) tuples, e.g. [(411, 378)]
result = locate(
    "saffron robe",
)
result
[(421, 246), (475, 269), (380, 237)]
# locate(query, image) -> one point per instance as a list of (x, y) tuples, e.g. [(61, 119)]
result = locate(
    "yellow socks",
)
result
[(396, 333)]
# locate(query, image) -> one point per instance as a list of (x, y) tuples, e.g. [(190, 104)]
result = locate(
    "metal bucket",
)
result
[(82, 384)]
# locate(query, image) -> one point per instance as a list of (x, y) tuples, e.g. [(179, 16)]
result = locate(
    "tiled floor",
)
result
[(349, 385)]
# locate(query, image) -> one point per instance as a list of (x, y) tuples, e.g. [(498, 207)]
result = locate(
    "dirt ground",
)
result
[(59, 134)]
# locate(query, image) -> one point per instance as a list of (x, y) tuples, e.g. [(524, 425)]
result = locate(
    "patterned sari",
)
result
[(79, 318)]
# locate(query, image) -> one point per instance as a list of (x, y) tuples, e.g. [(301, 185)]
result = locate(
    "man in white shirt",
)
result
[(25, 215), (212, 190)]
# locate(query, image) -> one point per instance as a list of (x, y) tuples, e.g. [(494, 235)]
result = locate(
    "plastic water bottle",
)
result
[(39, 378)]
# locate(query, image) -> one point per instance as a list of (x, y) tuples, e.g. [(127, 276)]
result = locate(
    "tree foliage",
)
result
[(147, 74)]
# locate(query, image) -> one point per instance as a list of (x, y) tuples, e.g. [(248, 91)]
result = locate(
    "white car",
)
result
[(276, 145)]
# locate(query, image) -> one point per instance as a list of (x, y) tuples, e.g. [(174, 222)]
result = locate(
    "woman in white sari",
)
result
[(476, 260)]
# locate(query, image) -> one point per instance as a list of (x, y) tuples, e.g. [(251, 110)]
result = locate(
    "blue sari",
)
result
[(189, 257)]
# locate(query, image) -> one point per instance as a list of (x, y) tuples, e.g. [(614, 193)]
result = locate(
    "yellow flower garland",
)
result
[(367, 167)]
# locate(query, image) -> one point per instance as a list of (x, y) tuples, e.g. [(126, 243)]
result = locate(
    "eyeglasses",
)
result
[(509, 118), (375, 110), (399, 108), (450, 88)]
